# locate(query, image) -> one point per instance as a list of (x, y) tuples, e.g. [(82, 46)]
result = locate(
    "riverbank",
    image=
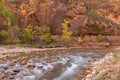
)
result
[(107, 68), (32, 47)]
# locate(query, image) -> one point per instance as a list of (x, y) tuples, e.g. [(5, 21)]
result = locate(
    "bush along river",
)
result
[(65, 64)]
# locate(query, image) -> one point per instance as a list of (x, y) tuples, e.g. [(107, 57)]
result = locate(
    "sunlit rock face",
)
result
[(52, 12)]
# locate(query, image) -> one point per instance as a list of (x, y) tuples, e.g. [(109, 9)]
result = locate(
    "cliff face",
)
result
[(52, 12)]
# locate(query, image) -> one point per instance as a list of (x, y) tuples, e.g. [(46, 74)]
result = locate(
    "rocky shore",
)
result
[(107, 68), (23, 49)]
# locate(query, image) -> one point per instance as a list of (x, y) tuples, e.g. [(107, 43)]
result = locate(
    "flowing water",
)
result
[(48, 65), (76, 63)]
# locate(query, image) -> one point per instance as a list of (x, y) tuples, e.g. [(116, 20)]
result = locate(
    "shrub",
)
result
[(66, 33), (27, 34), (41, 30), (75, 33), (10, 35), (44, 32), (47, 37), (16, 40), (80, 40), (99, 38), (3, 35)]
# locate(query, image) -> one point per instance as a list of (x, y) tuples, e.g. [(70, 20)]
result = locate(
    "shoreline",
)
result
[(104, 68), (9, 49)]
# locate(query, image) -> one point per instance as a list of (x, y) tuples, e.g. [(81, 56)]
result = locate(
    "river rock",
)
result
[(23, 62), (31, 66), (14, 61), (12, 64), (40, 67), (6, 67), (11, 77), (4, 79), (16, 70), (2, 69), (2, 75), (13, 73)]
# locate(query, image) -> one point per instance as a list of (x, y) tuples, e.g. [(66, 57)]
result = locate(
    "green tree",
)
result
[(7, 14), (11, 22), (44, 33), (3, 35), (99, 38), (27, 34)]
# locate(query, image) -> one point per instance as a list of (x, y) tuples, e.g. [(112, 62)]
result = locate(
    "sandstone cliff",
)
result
[(79, 12)]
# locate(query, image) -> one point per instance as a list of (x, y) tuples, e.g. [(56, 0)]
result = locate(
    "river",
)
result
[(65, 64)]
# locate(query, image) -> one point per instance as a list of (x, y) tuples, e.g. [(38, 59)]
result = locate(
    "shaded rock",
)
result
[(16, 70), (13, 73), (40, 67)]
